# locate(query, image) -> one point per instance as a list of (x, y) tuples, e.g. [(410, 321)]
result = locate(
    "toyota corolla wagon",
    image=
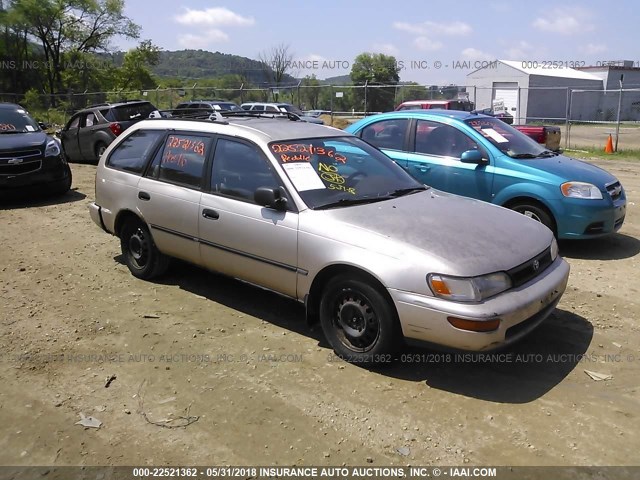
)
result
[(318, 215)]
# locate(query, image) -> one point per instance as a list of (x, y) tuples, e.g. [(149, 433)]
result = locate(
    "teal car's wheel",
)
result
[(358, 320), (536, 212)]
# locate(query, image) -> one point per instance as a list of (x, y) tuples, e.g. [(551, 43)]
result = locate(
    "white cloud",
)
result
[(387, 48), (424, 43), (213, 17), (565, 21), (455, 28), (475, 54), (594, 48), (203, 40), (520, 51)]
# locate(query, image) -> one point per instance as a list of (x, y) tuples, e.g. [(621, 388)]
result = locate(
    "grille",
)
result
[(20, 168), (530, 269), (614, 190), (23, 154)]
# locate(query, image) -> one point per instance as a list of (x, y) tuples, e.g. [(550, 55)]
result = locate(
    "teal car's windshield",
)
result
[(507, 139), (17, 121), (336, 172)]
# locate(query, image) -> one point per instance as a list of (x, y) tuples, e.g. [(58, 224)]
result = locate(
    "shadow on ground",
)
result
[(613, 247), (518, 374), (40, 200)]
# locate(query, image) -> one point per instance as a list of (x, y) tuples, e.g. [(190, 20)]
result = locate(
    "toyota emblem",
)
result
[(536, 265)]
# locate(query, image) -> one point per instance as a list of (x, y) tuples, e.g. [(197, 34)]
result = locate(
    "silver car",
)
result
[(320, 216)]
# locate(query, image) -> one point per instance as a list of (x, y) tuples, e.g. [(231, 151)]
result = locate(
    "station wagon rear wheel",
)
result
[(140, 254), (536, 212), (358, 321)]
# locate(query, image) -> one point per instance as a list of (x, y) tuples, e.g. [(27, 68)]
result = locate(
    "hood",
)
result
[(569, 169), (22, 141), (455, 235)]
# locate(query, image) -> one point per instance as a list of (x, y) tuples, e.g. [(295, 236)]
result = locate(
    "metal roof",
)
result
[(561, 71)]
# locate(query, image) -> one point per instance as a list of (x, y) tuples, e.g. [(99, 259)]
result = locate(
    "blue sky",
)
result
[(327, 35)]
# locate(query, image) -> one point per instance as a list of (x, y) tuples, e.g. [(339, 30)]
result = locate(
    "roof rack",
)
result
[(219, 115)]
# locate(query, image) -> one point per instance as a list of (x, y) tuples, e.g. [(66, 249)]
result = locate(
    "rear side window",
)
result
[(133, 111), (132, 153), (182, 160), (386, 133)]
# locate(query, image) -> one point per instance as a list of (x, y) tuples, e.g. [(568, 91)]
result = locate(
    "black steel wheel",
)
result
[(358, 320), (140, 254)]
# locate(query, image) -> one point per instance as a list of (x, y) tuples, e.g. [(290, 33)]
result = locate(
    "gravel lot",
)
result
[(243, 380)]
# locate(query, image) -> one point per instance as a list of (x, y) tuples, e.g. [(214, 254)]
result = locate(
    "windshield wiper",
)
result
[(523, 155), (548, 153), (345, 202), (407, 191)]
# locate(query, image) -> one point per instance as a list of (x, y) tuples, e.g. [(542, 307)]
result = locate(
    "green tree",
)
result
[(374, 70), (134, 74), (310, 92), (68, 26)]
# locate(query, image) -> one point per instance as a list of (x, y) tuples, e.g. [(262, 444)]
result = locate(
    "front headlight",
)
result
[(53, 149), (581, 190), (468, 289), (554, 249)]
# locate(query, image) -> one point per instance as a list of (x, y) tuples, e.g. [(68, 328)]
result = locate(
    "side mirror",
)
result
[(472, 156), (43, 125), (270, 198)]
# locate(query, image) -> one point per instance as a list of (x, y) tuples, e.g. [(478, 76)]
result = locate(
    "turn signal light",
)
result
[(474, 325)]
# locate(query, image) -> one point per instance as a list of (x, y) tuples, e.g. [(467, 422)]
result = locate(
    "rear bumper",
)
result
[(520, 310), (95, 211)]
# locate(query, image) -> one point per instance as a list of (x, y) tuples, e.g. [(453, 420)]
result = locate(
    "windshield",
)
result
[(290, 108), (335, 172), (507, 139), (133, 111), (17, 121)]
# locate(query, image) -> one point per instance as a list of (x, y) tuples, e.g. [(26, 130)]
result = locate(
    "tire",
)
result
[(536, 212), (100, 148), (140, 254), (359, 321), (64, 187)]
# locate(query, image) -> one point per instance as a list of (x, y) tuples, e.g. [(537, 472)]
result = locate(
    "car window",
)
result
[(239, 169), (131, 154), (89, 120), (387, 133), (271, 108), (433, 138), (181, 159), (338, 171), (17, 121), (130, 111), (73, 123)]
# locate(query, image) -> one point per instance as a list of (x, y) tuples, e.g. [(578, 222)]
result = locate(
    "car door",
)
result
[(86, 132), (434, 159), (239, 237), (390, 136), (169, 194), (69, 138)]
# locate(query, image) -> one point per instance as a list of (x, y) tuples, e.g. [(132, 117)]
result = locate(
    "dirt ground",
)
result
[(245, 381)]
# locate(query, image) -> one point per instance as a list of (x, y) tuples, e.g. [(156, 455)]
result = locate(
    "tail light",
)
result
[(116, 128), (540, 136)]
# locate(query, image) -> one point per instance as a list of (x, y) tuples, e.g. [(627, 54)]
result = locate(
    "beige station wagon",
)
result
[(318, 215)]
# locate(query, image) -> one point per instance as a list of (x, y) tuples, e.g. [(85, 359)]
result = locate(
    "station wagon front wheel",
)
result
[(358, 321), (140, 254)]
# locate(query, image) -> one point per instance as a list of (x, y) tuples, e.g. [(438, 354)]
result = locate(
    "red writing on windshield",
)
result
[(284, 149), (5, 127), (186, 144)]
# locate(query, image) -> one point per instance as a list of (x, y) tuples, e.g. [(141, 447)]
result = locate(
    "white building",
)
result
[(538, 91)]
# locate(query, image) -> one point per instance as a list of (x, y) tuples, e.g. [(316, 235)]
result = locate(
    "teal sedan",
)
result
[(482, 157)]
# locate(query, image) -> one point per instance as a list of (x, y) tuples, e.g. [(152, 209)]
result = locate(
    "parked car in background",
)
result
[(30, 159), (316, 113), (373, 254), (482, 157), (463, 105), (91, 130), (280, 108), (206, 106)]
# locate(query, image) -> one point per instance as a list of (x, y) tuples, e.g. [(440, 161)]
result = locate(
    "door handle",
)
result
[(144, 196), (210, 214), (422, 168)]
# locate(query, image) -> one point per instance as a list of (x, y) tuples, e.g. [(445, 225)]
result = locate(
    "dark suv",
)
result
[(90, 131), (28, 156), (205, 106)]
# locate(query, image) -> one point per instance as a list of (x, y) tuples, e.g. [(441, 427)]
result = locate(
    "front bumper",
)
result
[(51, 174), (520, 310), (581, 219)]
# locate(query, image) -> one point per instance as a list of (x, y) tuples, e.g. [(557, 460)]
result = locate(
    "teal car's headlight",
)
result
[(468, 289), (53, 149), (581, 190)]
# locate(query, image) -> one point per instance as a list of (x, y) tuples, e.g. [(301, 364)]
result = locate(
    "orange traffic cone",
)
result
[(609, 147)]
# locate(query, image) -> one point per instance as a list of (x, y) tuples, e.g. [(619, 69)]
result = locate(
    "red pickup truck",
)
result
[(545, 135)]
